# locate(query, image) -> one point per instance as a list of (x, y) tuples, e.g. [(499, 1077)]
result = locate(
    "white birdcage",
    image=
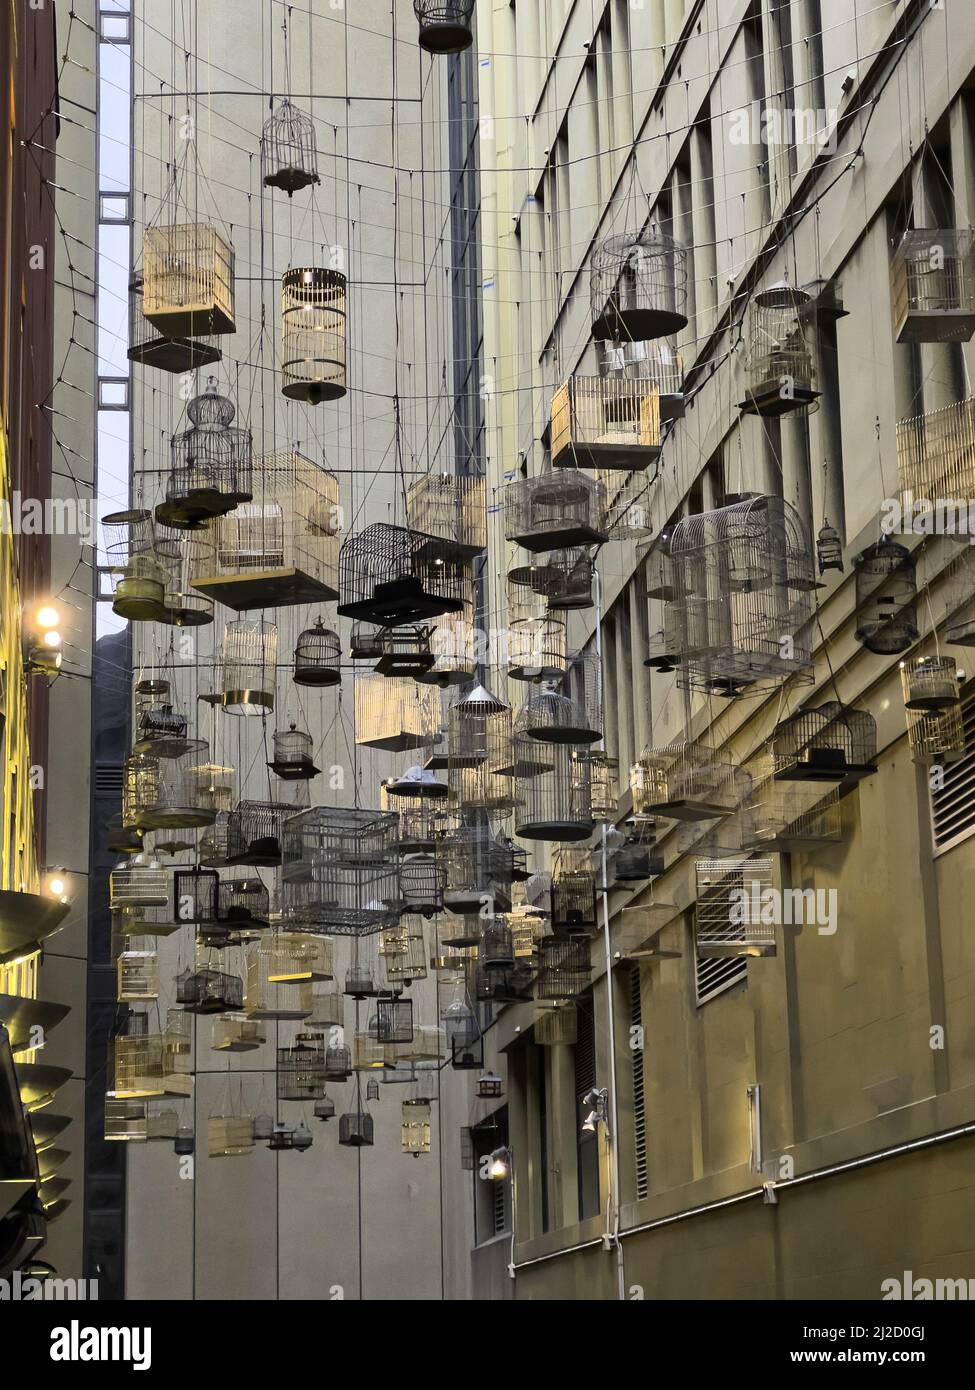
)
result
[(250, 654), (188, 280), (281, 547), (452, 508), (537, 649), (395, 714), (933, 285), (605, 422), (730, 914), (454, 646), (140, 881), (313, 334), (138, 976)]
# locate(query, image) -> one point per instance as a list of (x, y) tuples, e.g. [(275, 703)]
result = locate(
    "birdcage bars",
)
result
[(289, 150), (206, 990), (685, 780), (341, 870), (780, 367), (126, 1121), (933, 285), (638, 858), (356, 1129), (140, 591), (420, 814), (138, 976), (254, 830), (269, 999), (537, 649), (936, 465), (930, 683), (569, 580), (564, 968), (558, 1027), (626, 505), (151, 348), (296, 957), (445, 25), (395, 715), (454, 643), (552, 717), (638, 287), (452, 509), (427, 1045), (140, 881), (293, 760), (249, 667), (391, 576), (555, 510), (318, 656), (936, 737), (886, 598), (313, 334), (415, 1130), (605, 790), (555, 803), (188, 280), (301, 1068), (211, 464), (655, 362), (235, 1034), (730, 908), (573, 893), (394, 1020), (405, 652), (182, 797), (230, 1136), (184, 606), (605, 422), (280, 548), (785, 816), (831, 743), (478, 866)]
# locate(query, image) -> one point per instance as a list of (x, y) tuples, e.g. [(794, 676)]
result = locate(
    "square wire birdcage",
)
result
[(555, 510), (395, 715), (784, 816), (730, 915), (390, 575), (564, 968), (933, 285), (394, 1020), (341, 869), (452, 508)]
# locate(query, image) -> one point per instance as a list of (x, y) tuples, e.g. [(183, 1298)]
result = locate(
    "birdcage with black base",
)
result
[(313, 334), (656, 362), (324, 1108), (638, 858), (686, 780), (452, 509), (392, 576), (254, 832), (289, 150), (564, 968), (405, 652), (779, 365), (569, 580), (930, 684), (886, 598), (467, 1051), (184, 606), (446, 26), (573, 892), (608, 422), (555, 510), (341, 870), (551, 717), (394, 1020), (831, 743), (537, 648), (420, 814), (422, 882), (279, 548), (207, 990), (638, 287), (356, 1130), (479, 866), (784, 817), (318, 656), (293, 759), (554, 803), (395, 715), (151, 348), (188, 281), (496, 948), (160, 728), (301, 1068), (211, 464), (933, 285)]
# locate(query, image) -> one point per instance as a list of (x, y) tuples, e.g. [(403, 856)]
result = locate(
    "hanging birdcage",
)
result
[(188, 281), (254, 830), (140, 786), (555, 510), (395, 715), (356, 1129), (212, 843), (569, 584), (341, 869), (937, 737), (960, 600), (420, 813), (785, 816), (933, 286), (267, 998), (780, 366), (829, 548), (295, 957), (564, 968), (210, 787), (293, 761), (141, 589), (279, 549), (313, 334), (742, 577), (452, 509), (573, 893), (181, 798), (324, 1108), (537, 649), (205, 990), (338, 1062), (318, 656), (160, 729), (128, 533), (656, 362), (184, 606), (211, 464), (683, 781), (445, 25), (368, 1053), (936, 465), (477, 724), (479, 865), (250, 654), (365, 642), (831, 743), (638, 287), (638, 859), (405, 652), (301, 1068), (626, 505), (230, 1136), (496, 949), (237, 1034), (551, 717), (394, 1020), (126, 1121), (454, 643), (403, 952), (422, 882), (554, 802), (328, 1010), (558, 1027), (289, 151), (415, 1130), (415, 784), (391, 576), (427, 1045), (730, 912), (605, 790), (140, 881), (930, 684), (605, 422), (138, 976), (886, 598), (152, 1064), (151, 348)]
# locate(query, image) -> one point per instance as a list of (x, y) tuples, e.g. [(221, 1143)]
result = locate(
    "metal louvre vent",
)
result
[(715, 974), (108, 780), (639, 1089), (953, 804), (500, 1208), (585, 1048)]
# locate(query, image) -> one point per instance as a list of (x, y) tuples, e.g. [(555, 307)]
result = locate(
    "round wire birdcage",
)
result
[(313, 334), (779, 363), (249, 667), (554, 803), (886, 598), (289, 150), (638, 287), (445, 25), (318, 655)]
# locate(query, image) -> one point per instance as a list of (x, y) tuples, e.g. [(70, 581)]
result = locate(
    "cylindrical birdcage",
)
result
[(210, 786), (181, 798), (313, 334), (301, 1068), (152, 348), (886, 598), (496, 949), (564, 968), (452, 508), (250, 654), (415, 784), (392, 576), (324, 1108), (537, 649), (638, 287), (573, 893), (184, 606), (289, 151), (141, 589), (211, 464), (445, 25), (638, 859), (140, 881), (933, 285), (780, 367), (930, 683), (395, 715), (422, 881), (570, 579), (605, 789), (555, 510), (554, 804), (478, 865), (937, 737), (420, 816), (476, 725), (138, 976), (318, 655), (454, 645), (292, 758)]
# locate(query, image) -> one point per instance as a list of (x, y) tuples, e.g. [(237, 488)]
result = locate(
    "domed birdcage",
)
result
[(626, 509), (780, 367), (930, 684), (608, 422), (415, 784), (573, 893), (452, 509), (555, 510), (405, 652), (551, 717), (338, 1062), (686, 781), (445, 25), (564, 968), (267, 998), (392, 576), (886, 598), (289, 151), (395, 715), (554, 803), (829, 548), (422, 881), (933, 286), (249, 667), (188, 281), (151, 348), (420, 814), (318, 656), (937, 737), (728, 919), (313, 335), (210, 786), (479, 866), (301, 1068), (293, 759), (638, 287), (657, 363), (324, 1108), (831, 743), (281, 548), (254, 830), (341, 869), (211, 464)]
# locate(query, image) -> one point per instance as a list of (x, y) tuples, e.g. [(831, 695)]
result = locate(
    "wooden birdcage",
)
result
[(341, 869), (188, 281), (452, 508), (211, 464), (338, 1062), (831, 743), (555, 510), (138, 976), (686, 780), (293, 760), (147, 1064), (743, 579), (318, 656), (140, 881), (368, 1052), (555, 803), (445, 25), (298, 957), (573, 892), (783, 816), (301, 1068), (230, 1136), (886, 598), (564, 968), (936, 464), (249, 667), (603, 772), (391, 576), (395, 715), (313, 334), (289, 150), (557, 1027), (656, 363), (236, 1034), (638, 287), (729, 910), (605, 422), (829, 548), (151, 348), (779, 364), (933, 286), (267, 998), (281, 548)]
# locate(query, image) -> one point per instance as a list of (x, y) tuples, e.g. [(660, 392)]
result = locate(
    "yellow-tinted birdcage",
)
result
[(452, 508), (415, 1128), (313, 334), (188, 280), (395, 714), (230, 1136), (138, 976), (250, 654), (282, 547), (267, 998), (557, 1027), (936, 463), (236, 1034), (605, 422), (933, 284)]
